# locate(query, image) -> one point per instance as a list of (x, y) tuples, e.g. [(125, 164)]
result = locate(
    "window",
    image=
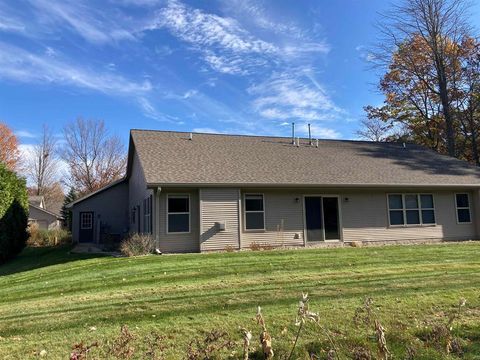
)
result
[(147, 215), (178, 213), (462, 204), (86, 220), (254, 212), (411, 209)]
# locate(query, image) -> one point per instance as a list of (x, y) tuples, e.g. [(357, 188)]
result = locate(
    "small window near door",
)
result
[(86, 221), (462, 203), (178, 214), (254, 212)]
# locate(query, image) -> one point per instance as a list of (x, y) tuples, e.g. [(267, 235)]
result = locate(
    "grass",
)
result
[(51, 299)]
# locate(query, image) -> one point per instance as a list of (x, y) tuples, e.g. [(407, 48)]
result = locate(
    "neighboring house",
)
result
[(37, 214), (199, 192)]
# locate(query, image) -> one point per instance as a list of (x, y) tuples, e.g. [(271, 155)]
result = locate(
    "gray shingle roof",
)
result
[(35, 199), (171, 158)]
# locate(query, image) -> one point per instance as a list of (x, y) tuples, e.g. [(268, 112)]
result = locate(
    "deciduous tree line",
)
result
[(429, 58), (84, 158)]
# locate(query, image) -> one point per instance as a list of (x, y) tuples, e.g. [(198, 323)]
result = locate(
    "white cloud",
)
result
[(29, 67), (226, 46), (151, 112), (318, 132), (95, 26), (206, 130), (25, 134), (286, 96)]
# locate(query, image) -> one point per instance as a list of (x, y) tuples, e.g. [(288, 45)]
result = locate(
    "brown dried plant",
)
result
[(210, 346), (265, 338), (122, 346), (80, 351), (247, 336), (383, 351)]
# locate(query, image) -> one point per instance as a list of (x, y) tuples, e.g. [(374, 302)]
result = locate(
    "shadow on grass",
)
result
[(37, 257)]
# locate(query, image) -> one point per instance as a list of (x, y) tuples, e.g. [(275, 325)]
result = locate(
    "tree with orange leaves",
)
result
[(9, 152)]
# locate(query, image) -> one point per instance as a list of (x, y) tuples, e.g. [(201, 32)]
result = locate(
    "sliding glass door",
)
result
[(322, 218)]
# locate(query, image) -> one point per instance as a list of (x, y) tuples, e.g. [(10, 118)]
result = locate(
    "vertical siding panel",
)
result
[(219, 204)]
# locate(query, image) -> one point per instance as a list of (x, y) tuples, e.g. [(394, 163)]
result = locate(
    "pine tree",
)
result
[(67, 213)]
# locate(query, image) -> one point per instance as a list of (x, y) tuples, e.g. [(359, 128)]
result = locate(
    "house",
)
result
[(200, 192), (38, 214)]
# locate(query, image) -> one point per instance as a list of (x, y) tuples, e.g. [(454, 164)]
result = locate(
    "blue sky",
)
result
[(247, 67)]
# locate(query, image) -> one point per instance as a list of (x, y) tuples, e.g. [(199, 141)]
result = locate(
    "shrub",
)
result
[(137, 244), (255, 246), (40, 237), (13, 214)]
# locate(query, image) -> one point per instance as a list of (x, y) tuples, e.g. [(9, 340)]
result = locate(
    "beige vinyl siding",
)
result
[(181, 242), (365, 218), (280, 207), (217, 205)]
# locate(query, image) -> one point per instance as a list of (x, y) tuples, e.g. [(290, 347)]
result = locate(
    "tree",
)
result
[(374, 129), (432, 26), (94, 157), (42, 163), (67, 213), (13, 214), (9, 152)]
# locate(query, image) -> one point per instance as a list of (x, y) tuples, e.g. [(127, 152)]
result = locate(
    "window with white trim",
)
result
[(462, 205), (178, 213), (411, 209), (254, 212), (86, 221)]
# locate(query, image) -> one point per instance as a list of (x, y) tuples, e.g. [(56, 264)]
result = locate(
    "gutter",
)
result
[(330, 186)]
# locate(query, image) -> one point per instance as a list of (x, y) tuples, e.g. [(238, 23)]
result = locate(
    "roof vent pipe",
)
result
[(293, 133), (404, 145), (190, 137), (298, 141), (316, 145), (309, 136)]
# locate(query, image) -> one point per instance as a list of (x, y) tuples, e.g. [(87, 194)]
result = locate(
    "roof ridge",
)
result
[(271, 136)]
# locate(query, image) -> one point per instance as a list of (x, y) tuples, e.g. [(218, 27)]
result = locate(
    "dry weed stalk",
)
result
[(247, 336), (122, 348), (265, 338), (383, 351), (214, 342), (80, 351), (442, 333)]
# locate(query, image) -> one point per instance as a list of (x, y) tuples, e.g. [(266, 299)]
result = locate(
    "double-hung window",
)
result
[(178, 214), (411, 209), (462, 204), (254, 212)]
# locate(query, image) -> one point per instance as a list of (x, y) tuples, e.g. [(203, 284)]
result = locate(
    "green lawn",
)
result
[(50, 299)]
